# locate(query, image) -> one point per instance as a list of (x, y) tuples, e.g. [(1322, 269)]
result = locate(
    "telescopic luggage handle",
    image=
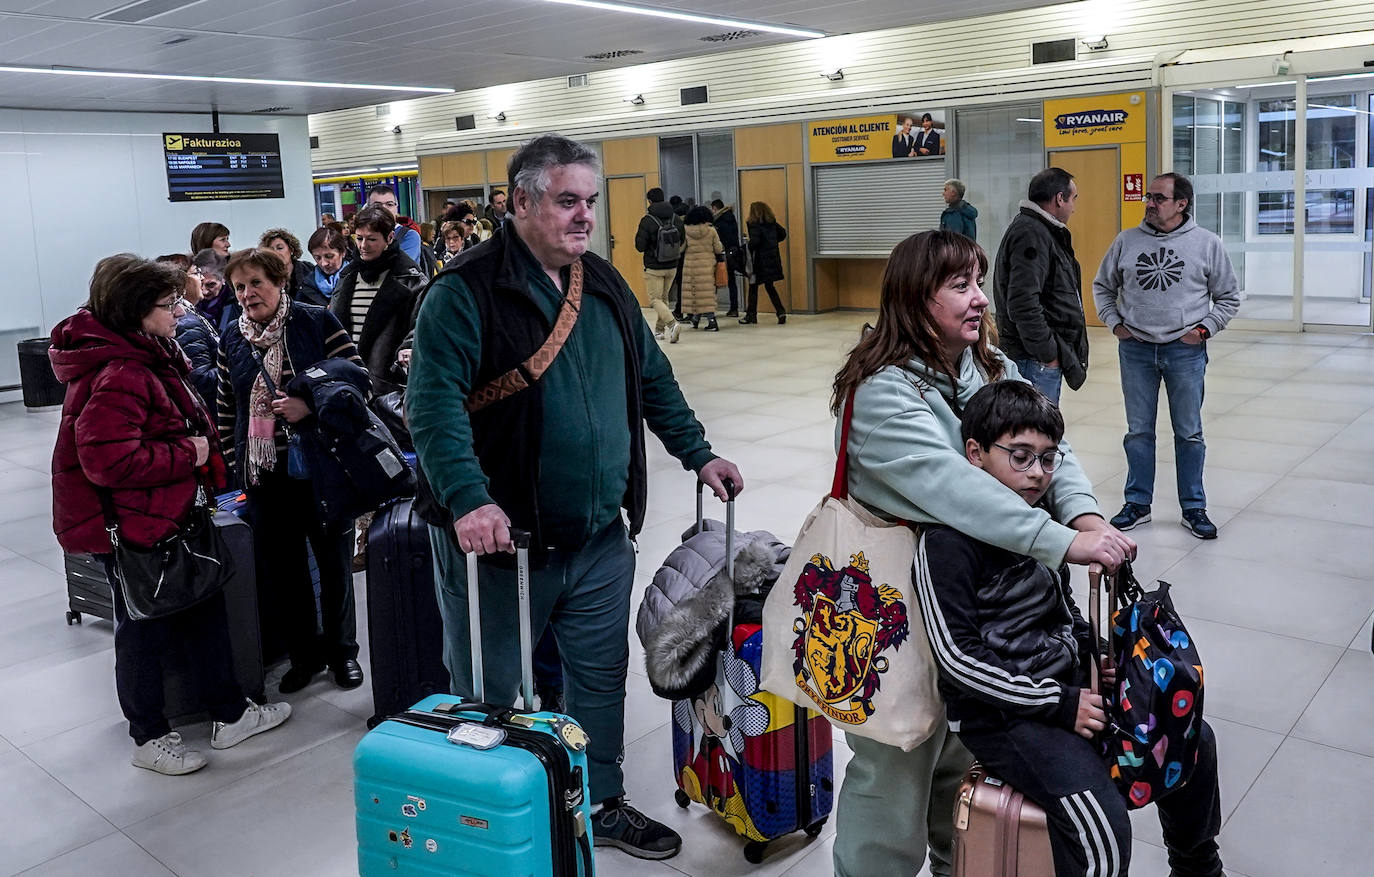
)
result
[(1095, 575), (521, 538), (731, 492)]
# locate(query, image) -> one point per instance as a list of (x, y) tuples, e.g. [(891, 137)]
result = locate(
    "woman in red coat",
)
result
[(132, 426)]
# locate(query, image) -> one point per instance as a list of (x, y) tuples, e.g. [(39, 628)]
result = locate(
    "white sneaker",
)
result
[(658, 335), (168, 755), (255, 719), (674, 331)]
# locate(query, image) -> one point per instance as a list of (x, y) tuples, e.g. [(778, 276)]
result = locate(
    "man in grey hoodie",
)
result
[(1164, 288)]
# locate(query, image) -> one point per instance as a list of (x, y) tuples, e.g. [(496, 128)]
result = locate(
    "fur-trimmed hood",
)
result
[(683, 617)]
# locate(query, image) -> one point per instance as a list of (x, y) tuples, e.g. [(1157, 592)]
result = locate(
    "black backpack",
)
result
[(667, 241), (1154, 714)]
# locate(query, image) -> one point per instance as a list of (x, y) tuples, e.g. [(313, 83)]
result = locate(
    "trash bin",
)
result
[(41, 386)]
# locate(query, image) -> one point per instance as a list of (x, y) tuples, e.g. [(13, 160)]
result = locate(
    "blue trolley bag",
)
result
[(475, 789)]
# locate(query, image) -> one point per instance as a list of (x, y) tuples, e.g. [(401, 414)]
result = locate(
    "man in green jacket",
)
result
[(557, 452)]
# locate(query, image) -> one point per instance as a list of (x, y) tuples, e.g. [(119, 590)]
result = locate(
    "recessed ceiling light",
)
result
[(233, 80), (692, 16)]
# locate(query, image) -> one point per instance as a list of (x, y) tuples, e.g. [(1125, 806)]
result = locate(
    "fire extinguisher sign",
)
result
[(1132, 187)]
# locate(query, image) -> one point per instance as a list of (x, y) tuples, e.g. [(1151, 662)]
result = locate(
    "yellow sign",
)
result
[(172, 141), (858, 138), (1096, 120)]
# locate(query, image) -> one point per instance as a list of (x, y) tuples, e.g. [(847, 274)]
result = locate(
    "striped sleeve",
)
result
[(337, 342), (225, 410), (946, 574)]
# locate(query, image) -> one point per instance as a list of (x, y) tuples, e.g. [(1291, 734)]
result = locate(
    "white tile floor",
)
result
[(1280, 604)]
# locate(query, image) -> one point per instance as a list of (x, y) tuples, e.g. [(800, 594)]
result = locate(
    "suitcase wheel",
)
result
[(73, 617), (753, 851), (682, 800), (815, 828)]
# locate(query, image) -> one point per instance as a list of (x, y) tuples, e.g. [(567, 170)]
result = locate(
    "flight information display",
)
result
[(216, 167)]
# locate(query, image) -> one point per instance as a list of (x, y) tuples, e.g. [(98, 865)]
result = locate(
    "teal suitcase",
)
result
[(475, 789)]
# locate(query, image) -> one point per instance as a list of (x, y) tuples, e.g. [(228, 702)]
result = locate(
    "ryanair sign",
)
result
[(1100, 119)]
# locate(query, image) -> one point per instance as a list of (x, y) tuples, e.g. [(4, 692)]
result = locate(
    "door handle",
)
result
[(612, 241)]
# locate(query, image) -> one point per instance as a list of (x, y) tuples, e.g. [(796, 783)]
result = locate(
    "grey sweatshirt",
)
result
[(1159, 285)]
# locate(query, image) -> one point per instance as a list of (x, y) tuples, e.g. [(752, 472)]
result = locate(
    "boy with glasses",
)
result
[(1013, 653)]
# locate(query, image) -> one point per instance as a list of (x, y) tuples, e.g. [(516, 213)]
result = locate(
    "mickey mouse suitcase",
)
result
[(761, 763), (475, 789)]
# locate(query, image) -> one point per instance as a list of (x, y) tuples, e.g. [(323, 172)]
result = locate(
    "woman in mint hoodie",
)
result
[(911, 376)]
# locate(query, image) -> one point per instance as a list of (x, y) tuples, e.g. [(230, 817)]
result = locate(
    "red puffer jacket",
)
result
[(126, 425)]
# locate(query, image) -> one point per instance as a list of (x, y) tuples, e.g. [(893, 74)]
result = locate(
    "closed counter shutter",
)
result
[(867, 209)]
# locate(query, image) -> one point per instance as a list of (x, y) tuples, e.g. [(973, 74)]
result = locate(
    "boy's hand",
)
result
[(1108, 675), (1091, 717), (1107, 547)]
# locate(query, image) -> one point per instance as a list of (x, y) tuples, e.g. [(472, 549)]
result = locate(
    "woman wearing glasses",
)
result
[(196, 336), (132, 428), (911, 376)]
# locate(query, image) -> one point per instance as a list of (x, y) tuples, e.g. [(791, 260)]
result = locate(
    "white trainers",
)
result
[(255, 719), (168, 755), (673, 332)]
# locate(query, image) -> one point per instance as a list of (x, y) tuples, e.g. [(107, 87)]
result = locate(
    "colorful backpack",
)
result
[(1155, 712)]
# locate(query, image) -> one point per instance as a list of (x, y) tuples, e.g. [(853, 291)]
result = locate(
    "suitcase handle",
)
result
[(521, 538), (1095, 575), (731, 491)]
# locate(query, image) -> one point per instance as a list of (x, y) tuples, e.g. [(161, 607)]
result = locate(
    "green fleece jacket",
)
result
[(906, 462), (584, 454)]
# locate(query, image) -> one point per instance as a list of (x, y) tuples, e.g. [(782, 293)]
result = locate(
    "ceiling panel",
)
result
[(461, 44)]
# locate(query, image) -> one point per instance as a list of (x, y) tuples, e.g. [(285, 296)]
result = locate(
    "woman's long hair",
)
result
[(916, 270), (760, 212)]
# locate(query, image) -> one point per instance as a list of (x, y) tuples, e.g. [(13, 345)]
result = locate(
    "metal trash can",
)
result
[(41, 387)]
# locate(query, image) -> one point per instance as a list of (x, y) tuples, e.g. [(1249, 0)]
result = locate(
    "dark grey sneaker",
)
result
[(625, 828), (1131, 514), (1197, 523)]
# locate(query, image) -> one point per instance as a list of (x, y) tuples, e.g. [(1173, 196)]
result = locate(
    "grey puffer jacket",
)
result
[(683, 617)]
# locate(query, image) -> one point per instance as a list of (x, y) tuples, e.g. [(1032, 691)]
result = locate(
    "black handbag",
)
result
[(178, 572)]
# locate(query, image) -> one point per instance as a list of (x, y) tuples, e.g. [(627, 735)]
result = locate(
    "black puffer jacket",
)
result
[(1037, 293), (764, 238), (200, 342), (389, 319)]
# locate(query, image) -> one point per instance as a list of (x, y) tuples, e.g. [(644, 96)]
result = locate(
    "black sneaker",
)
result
[(1197, 523), (625, 828), (1131, 514)]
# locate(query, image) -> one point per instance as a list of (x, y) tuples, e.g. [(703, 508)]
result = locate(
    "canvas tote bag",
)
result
[(842, 629)]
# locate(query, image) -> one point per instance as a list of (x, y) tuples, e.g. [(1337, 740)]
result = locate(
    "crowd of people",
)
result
[(179, 372)]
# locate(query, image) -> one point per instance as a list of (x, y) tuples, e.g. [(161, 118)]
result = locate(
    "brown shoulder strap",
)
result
[(515, 380)]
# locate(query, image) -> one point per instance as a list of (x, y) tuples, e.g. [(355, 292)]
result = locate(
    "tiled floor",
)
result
[(1280, 605)]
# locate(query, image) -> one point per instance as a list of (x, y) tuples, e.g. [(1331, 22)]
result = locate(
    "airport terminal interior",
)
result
[(123, 125)]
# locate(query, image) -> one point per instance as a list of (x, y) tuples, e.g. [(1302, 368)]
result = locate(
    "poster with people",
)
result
[(906, 134)]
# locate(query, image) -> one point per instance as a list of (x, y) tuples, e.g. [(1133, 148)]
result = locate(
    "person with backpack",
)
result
[(659, 237)]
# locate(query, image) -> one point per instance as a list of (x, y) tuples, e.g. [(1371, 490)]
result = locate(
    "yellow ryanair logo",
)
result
[(173, 141)]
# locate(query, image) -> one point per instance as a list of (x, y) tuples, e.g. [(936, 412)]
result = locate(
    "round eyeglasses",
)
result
[(1022, 459)]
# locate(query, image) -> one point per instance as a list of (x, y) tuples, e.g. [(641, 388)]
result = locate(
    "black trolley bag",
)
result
[(405, 630)]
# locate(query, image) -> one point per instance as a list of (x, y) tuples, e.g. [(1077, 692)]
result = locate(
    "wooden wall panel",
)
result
[(432, 172), (827, 279), (768, 145), (464, 169), (796, 236), (496, 164), (634, 155), (860, 282)]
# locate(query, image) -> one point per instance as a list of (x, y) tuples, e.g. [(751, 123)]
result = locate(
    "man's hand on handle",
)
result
[(714, 473), (484, 530), (1099, 542)]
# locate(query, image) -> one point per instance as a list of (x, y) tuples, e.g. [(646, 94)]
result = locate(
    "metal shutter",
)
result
[(867, 209)]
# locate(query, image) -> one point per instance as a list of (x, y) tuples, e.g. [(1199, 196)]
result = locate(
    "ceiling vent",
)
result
[(178, 39), (315, 142), (465, 123), (1052, 51), (579, 80), (143, 10), (269, 110), (613, 54), (382, 110), (728, 36), (693, 95)]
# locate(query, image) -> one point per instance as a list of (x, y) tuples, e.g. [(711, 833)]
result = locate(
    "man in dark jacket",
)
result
[(1037, 288), (659, 272), (727, 229), (959, 215), (561, 456)]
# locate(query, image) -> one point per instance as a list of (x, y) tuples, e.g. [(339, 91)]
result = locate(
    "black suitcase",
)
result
[(88, 591), (405, 630)]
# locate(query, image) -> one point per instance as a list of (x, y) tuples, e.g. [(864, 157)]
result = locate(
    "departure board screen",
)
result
[(217, 167)]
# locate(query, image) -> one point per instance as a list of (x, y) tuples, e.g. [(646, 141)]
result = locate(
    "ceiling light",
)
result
[(833, 75), (500, 117), (1340, 77), (692, 16), (1095, 42), (233, 80), (362, 171), (636, 99), (1033, 121)]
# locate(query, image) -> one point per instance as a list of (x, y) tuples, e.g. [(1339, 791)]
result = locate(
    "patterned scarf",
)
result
[(262, 423)]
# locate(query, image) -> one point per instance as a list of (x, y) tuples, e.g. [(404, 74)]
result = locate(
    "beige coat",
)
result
[(699, 269)]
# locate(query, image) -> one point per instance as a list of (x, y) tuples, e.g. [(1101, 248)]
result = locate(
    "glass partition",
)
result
[(1000, 149)]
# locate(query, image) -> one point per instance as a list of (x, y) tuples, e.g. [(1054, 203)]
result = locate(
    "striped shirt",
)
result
[(363, 295)]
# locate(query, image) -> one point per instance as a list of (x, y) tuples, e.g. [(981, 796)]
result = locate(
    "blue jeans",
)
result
[(1042, 377), (1183, 368), (585, 595)]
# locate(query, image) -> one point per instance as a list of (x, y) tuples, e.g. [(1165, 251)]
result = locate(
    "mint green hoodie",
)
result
[(906, 461)]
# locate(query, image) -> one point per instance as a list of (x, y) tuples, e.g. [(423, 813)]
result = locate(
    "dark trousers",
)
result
[(1090, 831), (752, 309), (283, 514), (732, 283), (201, 633), (548, 664)]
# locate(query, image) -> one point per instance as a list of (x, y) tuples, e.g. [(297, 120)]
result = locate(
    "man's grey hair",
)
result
[(534, 161), (956, 185)]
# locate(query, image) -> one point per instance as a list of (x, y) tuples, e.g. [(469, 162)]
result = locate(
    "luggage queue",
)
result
[(530, 443)]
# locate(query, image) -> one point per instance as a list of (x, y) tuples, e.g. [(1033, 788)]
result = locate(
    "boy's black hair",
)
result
[(1006, 408)]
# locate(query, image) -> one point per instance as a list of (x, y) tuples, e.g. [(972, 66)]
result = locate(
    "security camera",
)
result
[(396, 130)]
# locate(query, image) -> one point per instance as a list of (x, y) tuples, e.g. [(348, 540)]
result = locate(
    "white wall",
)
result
[(82, 186)]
